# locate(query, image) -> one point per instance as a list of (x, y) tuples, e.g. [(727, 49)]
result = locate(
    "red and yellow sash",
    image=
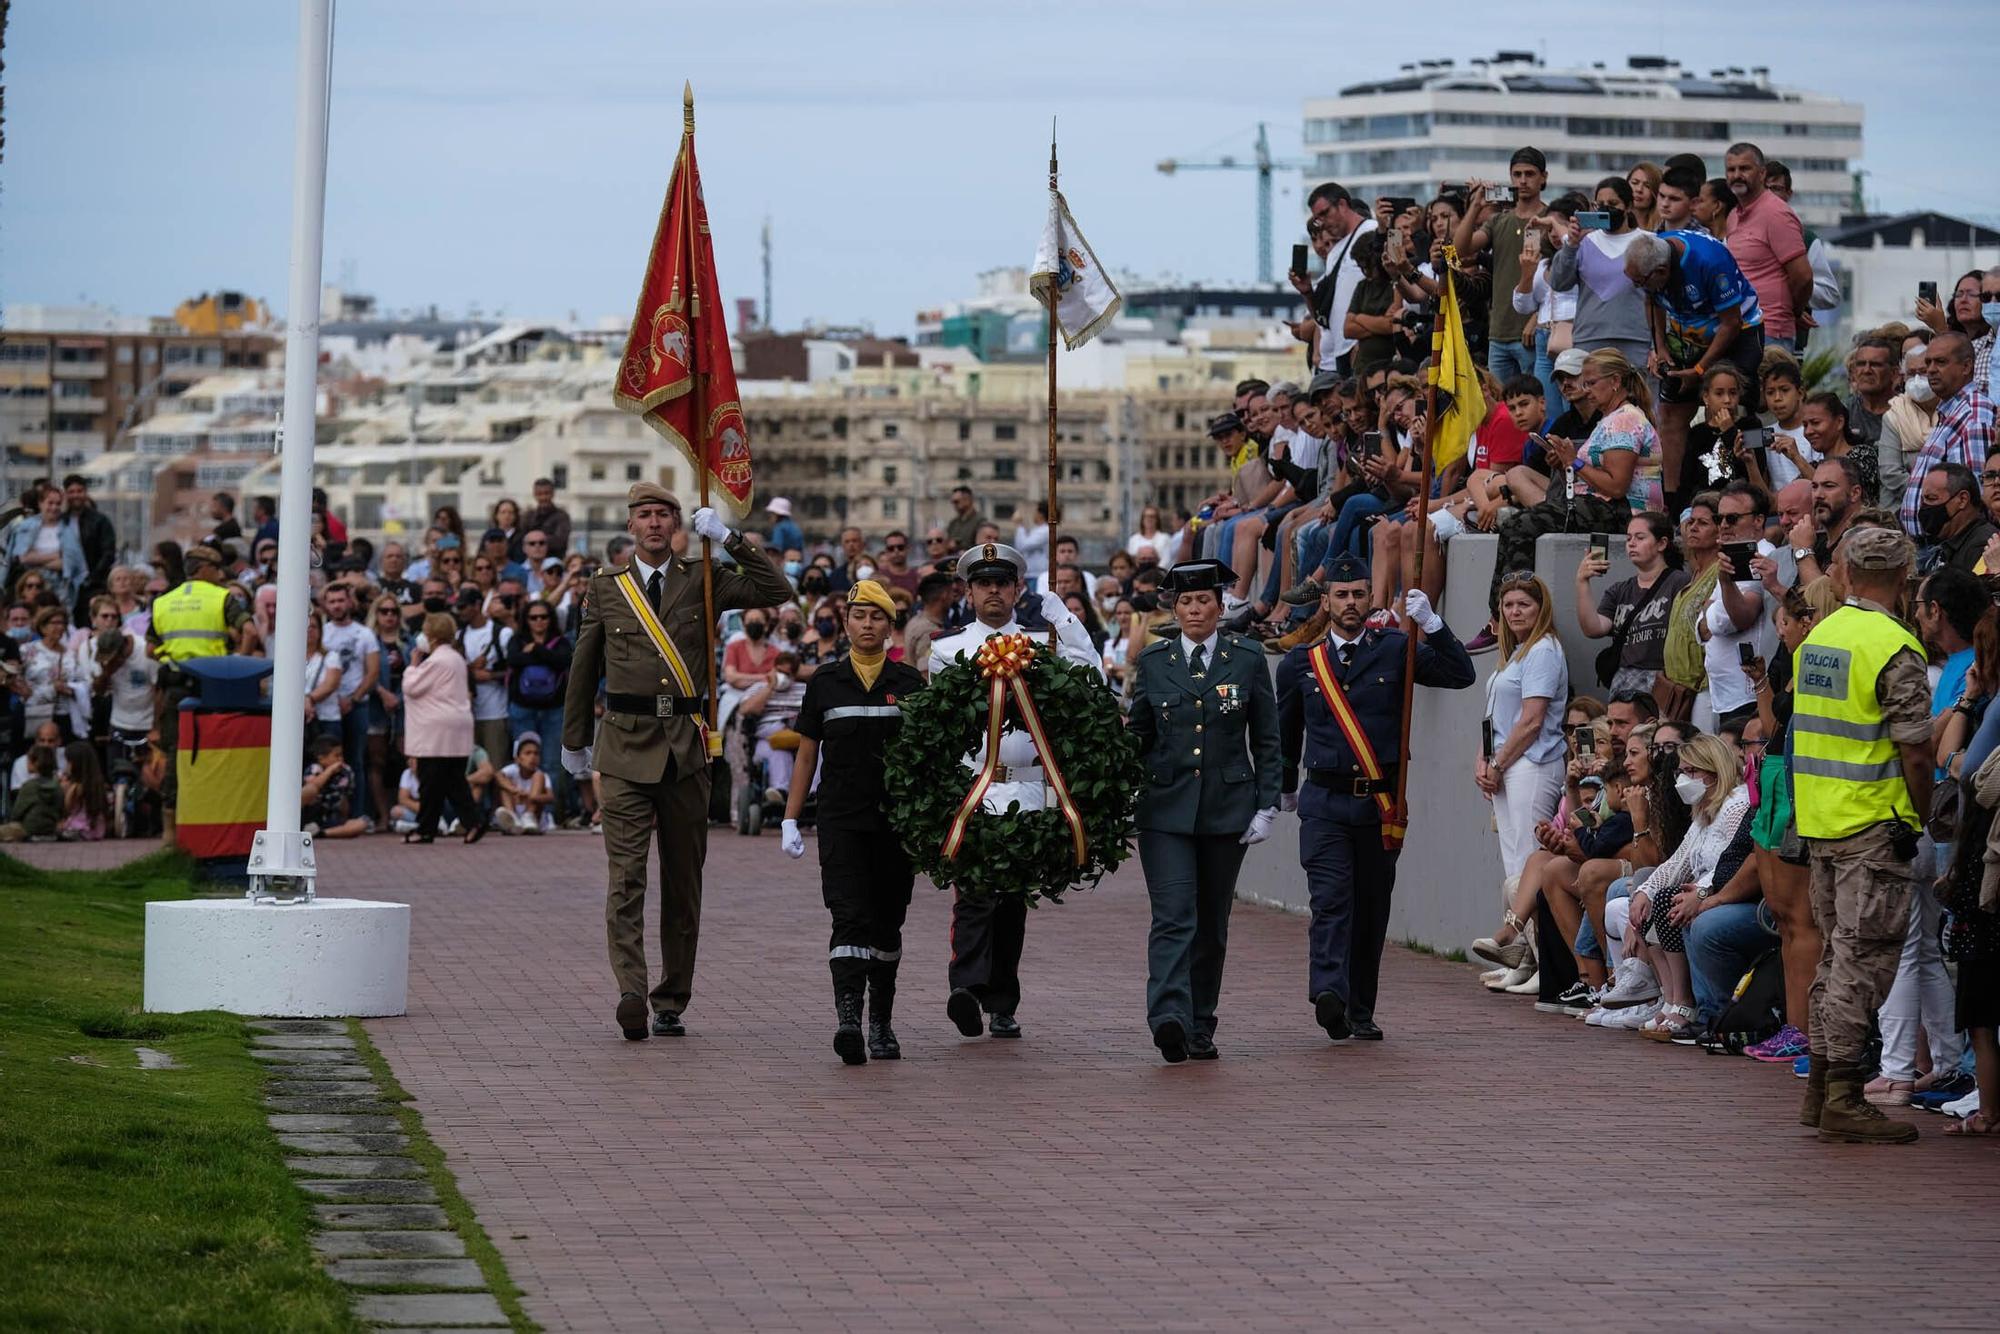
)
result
[(1395, 819), (1003, 660)]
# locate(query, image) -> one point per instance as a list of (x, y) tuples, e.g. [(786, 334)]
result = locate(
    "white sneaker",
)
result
[(1633, 984), (1492, 975), (1632, 1016), (505, 821), (1527, 986), (405, 826), (1597, 1017), (1511, 978), (531, 827)]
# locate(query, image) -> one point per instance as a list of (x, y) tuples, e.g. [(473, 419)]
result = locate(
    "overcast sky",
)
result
[(511, 154)]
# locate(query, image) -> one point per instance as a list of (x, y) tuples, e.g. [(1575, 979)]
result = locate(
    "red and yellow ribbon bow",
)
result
[(1003, 660)]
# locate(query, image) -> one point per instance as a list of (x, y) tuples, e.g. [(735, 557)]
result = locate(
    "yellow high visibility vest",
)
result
[(189, 621), (1847, 773)]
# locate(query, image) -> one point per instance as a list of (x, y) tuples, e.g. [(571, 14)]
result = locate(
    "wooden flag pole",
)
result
[(691, 198), (1421, 531), (1055, 507)]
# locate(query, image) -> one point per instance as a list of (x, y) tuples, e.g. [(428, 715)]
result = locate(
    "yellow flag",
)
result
[(1452, 370)]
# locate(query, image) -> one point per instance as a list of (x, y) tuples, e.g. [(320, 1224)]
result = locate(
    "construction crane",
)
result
[(1263, 164)]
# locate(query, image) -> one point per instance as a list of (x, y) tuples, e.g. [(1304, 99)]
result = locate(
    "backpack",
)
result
[(539, 685), (1755, 1012)]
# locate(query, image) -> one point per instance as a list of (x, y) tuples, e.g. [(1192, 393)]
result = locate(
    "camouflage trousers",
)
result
[(1861, 896)]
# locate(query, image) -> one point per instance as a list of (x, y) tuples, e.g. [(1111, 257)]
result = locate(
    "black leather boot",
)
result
[(882, 1044), (847, 1037)]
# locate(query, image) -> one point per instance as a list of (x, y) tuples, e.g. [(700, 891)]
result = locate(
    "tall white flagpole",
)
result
[(282, 863)]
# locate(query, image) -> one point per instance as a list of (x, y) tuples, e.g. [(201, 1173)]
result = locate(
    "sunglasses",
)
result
[(936, 541), (896, 546)]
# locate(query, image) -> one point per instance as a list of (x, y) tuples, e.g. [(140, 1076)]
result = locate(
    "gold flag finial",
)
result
[(687, 106)]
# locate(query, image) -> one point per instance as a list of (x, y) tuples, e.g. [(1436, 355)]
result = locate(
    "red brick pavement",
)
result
[(1486, 1164)]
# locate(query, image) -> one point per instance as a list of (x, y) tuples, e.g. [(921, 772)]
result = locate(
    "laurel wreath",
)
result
[(1028, 853)]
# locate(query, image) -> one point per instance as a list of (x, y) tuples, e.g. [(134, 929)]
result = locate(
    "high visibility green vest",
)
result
[(1847, 773), (189, 621)]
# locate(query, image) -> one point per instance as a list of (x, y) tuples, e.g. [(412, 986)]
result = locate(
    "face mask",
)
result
[(1690, 788), (826, 627), (21, 632), (1616, 216), (1990, 312), (1931, 519), (754, 630), (792, 568), (436, 605), (1918, 387)]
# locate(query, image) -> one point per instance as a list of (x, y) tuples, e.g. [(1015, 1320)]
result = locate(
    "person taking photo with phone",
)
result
[(1632, 613), (1495, 218)]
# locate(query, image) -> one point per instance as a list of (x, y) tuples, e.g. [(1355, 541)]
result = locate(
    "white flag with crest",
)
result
[(1068, 278)]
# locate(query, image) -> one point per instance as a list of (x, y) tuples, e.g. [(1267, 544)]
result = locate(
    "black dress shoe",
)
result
[(1003, 1026), (667, 1024), (1172, 1040), (962, 1008), (1331, 1012), (632, 1016), (1201, 1047), (1367, 1030)]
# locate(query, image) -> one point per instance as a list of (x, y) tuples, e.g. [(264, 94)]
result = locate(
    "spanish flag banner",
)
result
[(224, 768), (676, 370), (1454, 372)]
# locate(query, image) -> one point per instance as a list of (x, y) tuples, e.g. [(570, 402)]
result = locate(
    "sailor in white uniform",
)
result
[(987, 931)]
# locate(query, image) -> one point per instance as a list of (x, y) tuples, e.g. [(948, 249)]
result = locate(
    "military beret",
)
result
[(1875, 549), (866, 592), (201, 554), (650, 493), (1222, 423), (1347, 568)]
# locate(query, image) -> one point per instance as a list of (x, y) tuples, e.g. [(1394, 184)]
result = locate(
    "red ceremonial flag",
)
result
[(676, 371)]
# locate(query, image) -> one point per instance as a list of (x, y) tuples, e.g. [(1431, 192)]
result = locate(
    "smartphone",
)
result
[(1586, 740), (1299, 253), (1504, 194), (1746, 654), (1739, 555), (1371, 444), (1753, 437), (1600, 546), (1486, 737), (1401, 204), (1927, 292), (1594, 220), (1531, 243), (1392, 247), (1586, 818)]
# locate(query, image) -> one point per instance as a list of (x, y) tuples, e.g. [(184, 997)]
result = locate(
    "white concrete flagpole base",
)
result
[(329, 958)]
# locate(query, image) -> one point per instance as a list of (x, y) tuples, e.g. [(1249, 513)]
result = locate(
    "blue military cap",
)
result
[(1195, 576), (1346, 569)]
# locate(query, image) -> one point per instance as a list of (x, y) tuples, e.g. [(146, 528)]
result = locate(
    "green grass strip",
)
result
[(457, 1209), (135, 1199)]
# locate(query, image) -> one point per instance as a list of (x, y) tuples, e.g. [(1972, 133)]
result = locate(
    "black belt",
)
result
[(654, 706), (1353, 785)]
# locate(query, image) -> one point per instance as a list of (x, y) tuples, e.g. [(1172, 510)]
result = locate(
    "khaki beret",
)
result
[(650, 493), (1875, 549)]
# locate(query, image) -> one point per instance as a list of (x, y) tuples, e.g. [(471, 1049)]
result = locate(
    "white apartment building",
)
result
[(1438, 123)]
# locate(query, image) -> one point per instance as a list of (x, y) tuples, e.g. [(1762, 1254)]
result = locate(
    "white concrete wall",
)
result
[(1448, 880)]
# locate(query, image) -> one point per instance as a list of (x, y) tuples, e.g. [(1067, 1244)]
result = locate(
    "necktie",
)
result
[(1346, 656), (1195, 664), (653, 586)]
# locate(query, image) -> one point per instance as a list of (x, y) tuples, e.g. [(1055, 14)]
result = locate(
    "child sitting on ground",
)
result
[(326, 800), (527, 802), (403, 815), (86, 798), (38, 803)]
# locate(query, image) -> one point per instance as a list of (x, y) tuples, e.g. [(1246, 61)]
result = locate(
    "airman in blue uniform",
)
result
[(1206, 721), (1350, 869)]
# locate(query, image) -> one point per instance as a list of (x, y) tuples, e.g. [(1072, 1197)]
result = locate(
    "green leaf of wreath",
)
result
[(1020, 852)]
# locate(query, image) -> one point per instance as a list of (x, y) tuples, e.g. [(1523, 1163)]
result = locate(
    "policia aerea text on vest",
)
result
[(202, 618), (1861, 765)]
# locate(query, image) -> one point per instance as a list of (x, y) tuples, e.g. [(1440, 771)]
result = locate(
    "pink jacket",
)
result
[(437, 705)]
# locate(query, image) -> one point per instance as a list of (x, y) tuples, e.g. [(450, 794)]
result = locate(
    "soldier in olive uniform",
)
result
[(651, 751), (1206, 719)]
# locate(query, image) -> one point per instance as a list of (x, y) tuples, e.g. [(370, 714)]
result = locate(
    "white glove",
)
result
[(1260, 826), (791, 840), (1289, 802), (1054, 610), (709, 524), (1417, 607), (579, 762)]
